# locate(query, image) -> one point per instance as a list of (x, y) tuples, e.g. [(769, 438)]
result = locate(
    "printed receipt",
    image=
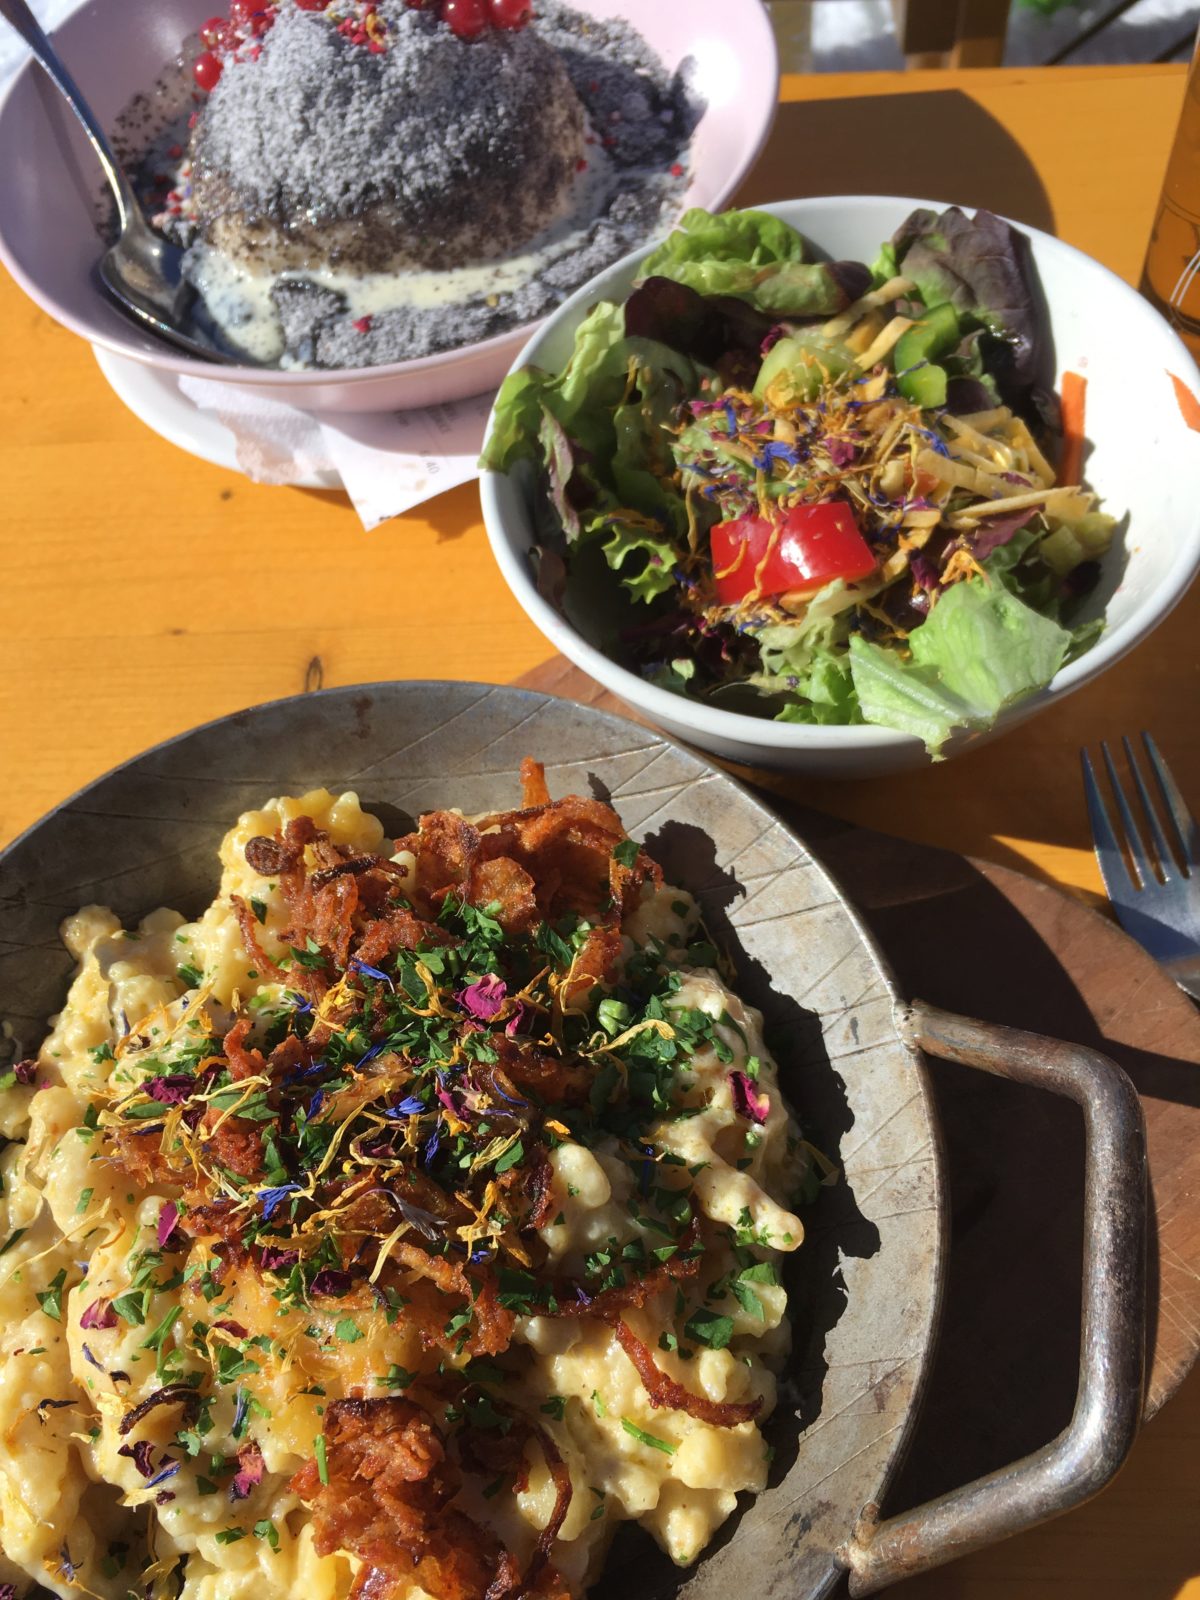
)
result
[(393, 461), (387, 462)]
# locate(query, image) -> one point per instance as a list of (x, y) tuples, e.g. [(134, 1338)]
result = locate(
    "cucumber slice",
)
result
[(798, 366), (918, 377)]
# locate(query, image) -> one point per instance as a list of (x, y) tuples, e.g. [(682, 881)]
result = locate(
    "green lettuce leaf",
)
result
[(759, 258), (517, 420), (787, 648), (581, 397), (827, 686), (752, 238), (981, 649), (806, 660), (657, 575), (643, 465)]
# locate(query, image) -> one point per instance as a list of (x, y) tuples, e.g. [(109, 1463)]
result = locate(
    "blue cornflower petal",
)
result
[(431, 1149), (938, 443), (272, 1199), (412, 1107), (370, 972)]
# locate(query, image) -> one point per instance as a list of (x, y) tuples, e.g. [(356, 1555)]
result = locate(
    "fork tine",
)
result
[(1142, 870), (1166, 861), (1186, 830), (1113, 869)]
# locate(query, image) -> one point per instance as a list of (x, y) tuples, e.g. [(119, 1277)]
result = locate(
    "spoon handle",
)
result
[(23, 20)]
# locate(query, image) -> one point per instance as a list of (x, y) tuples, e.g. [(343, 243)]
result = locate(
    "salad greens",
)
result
[(815, 491)]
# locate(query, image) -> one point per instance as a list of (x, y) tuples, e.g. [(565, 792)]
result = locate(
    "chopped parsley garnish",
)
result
[(640, 1434), (510, 1158), (50, 1299), (131, 1306), (396, 1378), (707, 1328)]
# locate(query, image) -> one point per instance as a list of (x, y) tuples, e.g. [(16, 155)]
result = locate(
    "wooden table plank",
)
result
[(144, 592)]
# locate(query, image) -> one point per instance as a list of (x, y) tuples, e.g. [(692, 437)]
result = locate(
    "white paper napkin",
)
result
[(388, 461)]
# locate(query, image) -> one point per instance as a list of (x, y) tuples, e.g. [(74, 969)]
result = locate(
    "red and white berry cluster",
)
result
[(237, 34), (471, 18)]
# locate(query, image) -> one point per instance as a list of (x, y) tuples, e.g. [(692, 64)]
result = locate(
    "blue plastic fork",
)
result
[(1156, 892)]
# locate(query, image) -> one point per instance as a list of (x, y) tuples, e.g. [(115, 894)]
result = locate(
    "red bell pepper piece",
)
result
[(807, 548)]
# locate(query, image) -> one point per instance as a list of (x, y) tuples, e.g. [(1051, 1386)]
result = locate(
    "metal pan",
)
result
[(870, 1275)]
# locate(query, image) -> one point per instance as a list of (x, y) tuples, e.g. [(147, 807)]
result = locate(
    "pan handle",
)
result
[(1108, 1404)]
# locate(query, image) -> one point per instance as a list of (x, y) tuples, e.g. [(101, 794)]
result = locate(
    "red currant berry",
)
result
[(213, 32), (465, 18), (509, 13), (243, 12), (207, 70), (313, 5)]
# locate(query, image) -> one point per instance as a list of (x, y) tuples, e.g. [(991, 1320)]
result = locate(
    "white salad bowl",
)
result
[(1143, 460), (49, 181)]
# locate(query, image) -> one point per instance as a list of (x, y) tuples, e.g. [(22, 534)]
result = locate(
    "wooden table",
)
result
[(144, 592)]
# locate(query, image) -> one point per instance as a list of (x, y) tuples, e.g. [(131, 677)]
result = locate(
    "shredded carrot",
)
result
[(1074, 404), (1189, 406)]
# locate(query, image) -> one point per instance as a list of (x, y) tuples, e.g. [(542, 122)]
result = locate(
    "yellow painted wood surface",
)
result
[(143, 592)]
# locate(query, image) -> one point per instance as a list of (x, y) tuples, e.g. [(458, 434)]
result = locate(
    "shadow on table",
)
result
[(937, 143), (1005, 1371)]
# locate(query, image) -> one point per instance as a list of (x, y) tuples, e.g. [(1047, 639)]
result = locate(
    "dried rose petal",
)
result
[(330, 1282), (168, 1217), (484, 998), (841, 452), (251, 1467), (99, 1314), (140, 1454), (171, 1090), (746, 1101), (273, 1260)]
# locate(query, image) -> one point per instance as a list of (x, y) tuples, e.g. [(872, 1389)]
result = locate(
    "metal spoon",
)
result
[(142, 271)]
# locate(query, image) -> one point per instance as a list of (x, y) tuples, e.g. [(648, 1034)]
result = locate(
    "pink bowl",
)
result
[(116, 47)]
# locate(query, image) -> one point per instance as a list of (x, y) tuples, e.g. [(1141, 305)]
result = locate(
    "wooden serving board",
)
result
[(988, 942)]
